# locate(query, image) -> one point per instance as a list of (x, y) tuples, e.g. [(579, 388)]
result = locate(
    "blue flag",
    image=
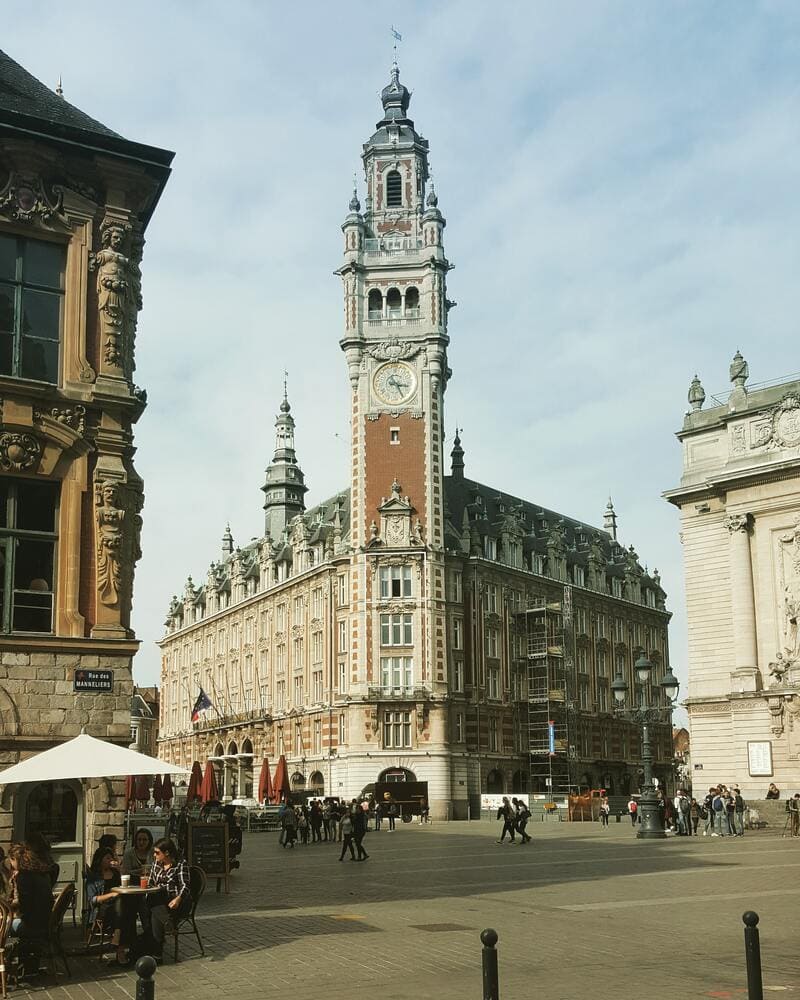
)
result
[(201, 705)]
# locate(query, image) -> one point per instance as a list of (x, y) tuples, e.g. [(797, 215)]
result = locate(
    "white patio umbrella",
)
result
[(86, 757)]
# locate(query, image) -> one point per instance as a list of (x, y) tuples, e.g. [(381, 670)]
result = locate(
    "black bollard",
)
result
[(145, 969), (752, 954), (491, 984)]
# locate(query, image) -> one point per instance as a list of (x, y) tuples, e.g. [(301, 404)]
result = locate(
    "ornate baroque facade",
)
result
[(740, 526), (380, 630), (75, 200)]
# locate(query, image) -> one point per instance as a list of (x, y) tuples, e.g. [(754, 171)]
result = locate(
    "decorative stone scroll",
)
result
[(19, 452), (25, 199), (737, 522)]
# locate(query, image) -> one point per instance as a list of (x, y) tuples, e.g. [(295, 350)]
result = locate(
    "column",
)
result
[(745, 649)]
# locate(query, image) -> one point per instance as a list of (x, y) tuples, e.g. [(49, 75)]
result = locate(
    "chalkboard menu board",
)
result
[(207, 848)]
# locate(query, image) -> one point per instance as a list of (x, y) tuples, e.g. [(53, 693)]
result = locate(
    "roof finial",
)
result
[(697, 394), (355, 204), (285, 404), (610, 519), (739, 371), (457, 457), (59, 87), (397, 37)]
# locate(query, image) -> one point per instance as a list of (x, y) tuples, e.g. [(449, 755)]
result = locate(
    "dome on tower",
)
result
[(395, 97)]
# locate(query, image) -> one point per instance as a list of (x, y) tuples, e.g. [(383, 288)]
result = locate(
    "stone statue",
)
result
[(109, 517), (114, 291), (777, 671), (790, 543)]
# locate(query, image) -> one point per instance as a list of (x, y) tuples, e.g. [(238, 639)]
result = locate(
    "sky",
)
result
[(619, 182)]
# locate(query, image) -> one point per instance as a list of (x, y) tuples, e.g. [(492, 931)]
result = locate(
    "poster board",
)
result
[(207, 848), (759, 758)]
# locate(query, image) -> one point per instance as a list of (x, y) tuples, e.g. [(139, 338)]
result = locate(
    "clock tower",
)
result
[(395, 345)]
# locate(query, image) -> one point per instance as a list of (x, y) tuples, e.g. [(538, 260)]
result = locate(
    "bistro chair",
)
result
[(55, 948), (6, 916), (197, 886)]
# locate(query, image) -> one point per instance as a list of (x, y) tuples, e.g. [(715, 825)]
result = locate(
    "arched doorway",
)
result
[(519, 782), (297, 782), (495, 783), (316, 783), (55, 809), (397, 774)]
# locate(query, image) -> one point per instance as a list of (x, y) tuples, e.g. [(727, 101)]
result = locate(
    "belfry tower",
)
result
[(395, 344), (284, 489)]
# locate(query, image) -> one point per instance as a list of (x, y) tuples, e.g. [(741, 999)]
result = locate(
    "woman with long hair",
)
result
[(170, 874), (103, 902), (138, 858), (32, 901)]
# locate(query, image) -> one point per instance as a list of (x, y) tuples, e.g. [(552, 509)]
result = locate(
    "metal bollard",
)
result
[(145, 969), (752, 954), (491, 984)]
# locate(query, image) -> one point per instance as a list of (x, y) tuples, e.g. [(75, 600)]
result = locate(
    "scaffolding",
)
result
[(549, 671)]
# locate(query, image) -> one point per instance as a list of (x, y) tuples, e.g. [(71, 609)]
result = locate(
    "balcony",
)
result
[(409, 318), (392, 248), (398, 693)]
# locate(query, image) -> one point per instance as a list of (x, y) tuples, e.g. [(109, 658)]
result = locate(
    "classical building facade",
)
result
[(739, 499), (75, 200), (387, 632)]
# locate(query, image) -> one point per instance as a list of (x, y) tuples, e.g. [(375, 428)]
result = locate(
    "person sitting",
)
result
[(138, 858), (773, 792), (40, 847), (31, 903), (103, 877), (170, 874)]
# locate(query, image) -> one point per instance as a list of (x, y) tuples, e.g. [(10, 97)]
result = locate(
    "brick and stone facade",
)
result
[(75, 200)]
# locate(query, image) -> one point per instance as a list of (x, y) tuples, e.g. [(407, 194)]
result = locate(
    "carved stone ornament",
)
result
[(393, 350), (109, 516), (118, 291), (24, 199), (786, 422), (19, 451), (737, 522), (74, 417)]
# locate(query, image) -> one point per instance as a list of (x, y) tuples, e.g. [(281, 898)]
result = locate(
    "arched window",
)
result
[(375, 304), (316, 783), (218, 750), (394, 190), (232, 749), (412, 302), (495, 784), (298, 781), (247, 747), (394, 303)]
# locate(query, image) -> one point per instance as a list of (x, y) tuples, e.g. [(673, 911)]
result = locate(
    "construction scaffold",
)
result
[(548, 688)]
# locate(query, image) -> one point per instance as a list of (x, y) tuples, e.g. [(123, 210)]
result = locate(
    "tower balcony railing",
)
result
[(411, 318), (392, 248)]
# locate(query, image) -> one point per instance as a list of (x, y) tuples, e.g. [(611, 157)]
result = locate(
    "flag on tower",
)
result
[(202, 704), (397, 35)]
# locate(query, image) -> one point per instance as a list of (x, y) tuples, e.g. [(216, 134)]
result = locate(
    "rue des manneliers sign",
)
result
[(93, 680)]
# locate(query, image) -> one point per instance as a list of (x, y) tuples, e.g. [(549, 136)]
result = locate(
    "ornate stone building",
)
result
[(75, 200), (740, 526), (384, 632)]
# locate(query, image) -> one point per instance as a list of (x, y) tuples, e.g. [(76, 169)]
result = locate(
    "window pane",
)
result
[(36, 505), (39, 360), (33, 565), (4, 489), (41, 313), (32, 612), (8, 257), (6, 309), (43, 264), (6, 354)]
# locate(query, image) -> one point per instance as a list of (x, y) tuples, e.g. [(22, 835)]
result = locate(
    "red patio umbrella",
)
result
[(208, 791), (130, 791), (195, 781), (264, 782), (158, 789), (280, 784), (166, 789), (142, 788)]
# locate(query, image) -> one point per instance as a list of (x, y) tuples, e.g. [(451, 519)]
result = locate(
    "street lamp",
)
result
[(652, 822)]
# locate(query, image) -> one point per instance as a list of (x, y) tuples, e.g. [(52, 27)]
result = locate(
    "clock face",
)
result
[(395, 382)]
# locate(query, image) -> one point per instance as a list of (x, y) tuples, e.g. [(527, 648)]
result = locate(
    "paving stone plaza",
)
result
[(580, 912)]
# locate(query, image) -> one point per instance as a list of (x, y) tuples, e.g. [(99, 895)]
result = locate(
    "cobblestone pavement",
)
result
[(579, 911)]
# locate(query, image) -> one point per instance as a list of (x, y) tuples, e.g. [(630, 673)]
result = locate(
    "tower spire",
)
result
[(457, 457), (610, 519), (284, 488)]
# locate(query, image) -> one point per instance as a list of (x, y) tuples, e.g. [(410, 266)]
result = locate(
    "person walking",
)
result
[(378, 816), (707, 812), (523, 816), (794, 814), (289, 824), (315, 822), (360, 827), (392, 815), (605, 811), (506, 814), (346, 827), (633, 809), (694, 816)]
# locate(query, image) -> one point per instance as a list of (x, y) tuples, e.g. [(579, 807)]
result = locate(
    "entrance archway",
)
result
[(297, 782), (316, 783), (495, 783), (397, 774)]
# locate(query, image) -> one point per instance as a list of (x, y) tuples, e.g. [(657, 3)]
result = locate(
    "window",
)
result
[(248, 669), (341, 581), (492, 642), (394, 304), (280, 746), (28, 516), (263, 625), (491, 598), (583, 694), (397, 673), (342, 729), (619, 630), (458, 675), (397, 729), (280, 658), (221, 642), (458, 633), (602, 697), (248, 630), (298, 610), (394, 435), (317, 746), (616, 586), (375, 304), (457, 593), (342, 636), (31, 307), (579, 576), (280, 617), (263, 696), (316, 602), (52, 811), (396, 630), (343, 678), (394, 190), (299, 650), (490, 547), (395, 581), (316, 680), (602, 663), (459, 727), (316, 647), (650, 598), (412, 302), (298, 740), (493, 678), (280, 696), (580, 621), (583, 660), (494, 742), (298, 691), (601, 626)]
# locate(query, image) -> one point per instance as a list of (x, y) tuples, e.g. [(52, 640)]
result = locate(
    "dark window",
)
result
[(52, 811), (412, 301), (27, 554), (394, 190), (375, 304), (31, 306)]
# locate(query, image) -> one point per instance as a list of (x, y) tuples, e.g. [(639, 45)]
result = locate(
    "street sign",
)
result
[(93, 680)]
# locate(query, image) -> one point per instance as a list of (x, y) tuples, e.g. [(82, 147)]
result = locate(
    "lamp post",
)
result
[(652, 821)]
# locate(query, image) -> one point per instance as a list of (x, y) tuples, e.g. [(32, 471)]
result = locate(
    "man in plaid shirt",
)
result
[(171, 875)]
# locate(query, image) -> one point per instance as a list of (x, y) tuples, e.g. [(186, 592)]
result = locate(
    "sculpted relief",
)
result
[(790, 578)]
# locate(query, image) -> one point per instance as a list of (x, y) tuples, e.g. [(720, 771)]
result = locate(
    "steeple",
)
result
[(610, 519), (395, 98), (227, 541), (284, 487), (457, 458)]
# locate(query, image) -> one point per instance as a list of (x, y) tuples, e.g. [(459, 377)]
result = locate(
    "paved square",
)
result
[(579, 912)]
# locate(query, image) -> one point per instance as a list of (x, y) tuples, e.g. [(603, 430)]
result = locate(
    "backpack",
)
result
[(685, 804), (717, 804)]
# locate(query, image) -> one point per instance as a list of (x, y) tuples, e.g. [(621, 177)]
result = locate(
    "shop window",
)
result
[(27, 553), (52, 811)]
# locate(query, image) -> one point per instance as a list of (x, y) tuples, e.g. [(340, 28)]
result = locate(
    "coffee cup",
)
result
[(144, 882), (126, 881)]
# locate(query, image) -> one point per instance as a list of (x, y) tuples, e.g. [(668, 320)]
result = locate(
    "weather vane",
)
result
[(397, 38)]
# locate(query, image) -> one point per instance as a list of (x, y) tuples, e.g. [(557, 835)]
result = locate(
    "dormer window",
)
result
[(394, 190)]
